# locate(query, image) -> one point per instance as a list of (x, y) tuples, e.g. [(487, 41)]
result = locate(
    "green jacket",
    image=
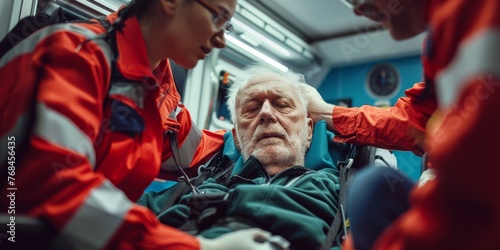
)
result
[(298, 204)]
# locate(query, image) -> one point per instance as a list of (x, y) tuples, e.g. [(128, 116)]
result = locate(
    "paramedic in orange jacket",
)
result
[(458, 209), (95, 145)]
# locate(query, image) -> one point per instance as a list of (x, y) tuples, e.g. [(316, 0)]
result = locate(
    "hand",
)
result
[(317, 108), (312, 96), (427, 175), (245, 239)]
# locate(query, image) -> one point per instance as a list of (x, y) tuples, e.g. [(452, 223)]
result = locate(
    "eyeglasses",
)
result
[(361, 8), (220, 18)]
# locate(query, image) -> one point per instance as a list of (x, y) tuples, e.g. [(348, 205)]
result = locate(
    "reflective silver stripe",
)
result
[(131, 90), (59, 130), (18, 134), (175, 112), (480, 54), (186, 151), (96, 221), (28, 45)]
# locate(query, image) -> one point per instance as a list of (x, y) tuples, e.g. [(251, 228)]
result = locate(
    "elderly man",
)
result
[(269, 187), (270, 120)]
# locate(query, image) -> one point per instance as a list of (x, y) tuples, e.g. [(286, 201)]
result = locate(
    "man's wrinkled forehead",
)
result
[(264, 79), (266, 83)]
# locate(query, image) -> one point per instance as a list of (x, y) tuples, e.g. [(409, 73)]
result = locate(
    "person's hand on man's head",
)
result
[(317, 108)]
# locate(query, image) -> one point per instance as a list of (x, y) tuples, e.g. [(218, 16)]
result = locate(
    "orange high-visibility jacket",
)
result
[(460, 209), (399, 127), (95, 145)]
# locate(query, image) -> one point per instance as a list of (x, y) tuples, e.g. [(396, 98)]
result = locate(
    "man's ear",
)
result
[(236, 141), (168, 6), (310, 127)]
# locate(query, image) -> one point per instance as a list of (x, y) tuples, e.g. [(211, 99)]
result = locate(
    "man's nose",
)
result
[(267, 113)]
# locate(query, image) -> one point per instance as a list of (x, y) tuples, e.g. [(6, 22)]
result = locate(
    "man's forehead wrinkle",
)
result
[(268, 82), (266, 78)]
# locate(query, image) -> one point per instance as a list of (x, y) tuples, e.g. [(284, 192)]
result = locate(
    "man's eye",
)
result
[(282, 104), (252, 108)]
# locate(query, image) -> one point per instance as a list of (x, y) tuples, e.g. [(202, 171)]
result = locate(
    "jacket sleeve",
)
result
[(400, 127), (196, 146), (56, 180)]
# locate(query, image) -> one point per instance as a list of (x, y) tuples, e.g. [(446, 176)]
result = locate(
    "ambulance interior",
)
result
[(340, 54)]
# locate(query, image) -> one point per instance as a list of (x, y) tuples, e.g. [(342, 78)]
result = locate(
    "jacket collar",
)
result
[(133, 62), (252, 169)]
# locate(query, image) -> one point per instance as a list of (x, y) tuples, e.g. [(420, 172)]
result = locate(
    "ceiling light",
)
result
[(256, 53), (348, 4), (250, 40), (261, 37)]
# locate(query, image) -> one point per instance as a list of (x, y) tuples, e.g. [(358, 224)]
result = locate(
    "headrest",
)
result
[(323, 153)]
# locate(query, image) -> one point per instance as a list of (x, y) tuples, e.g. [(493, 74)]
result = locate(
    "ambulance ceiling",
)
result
[(304, 35), (337, 36)]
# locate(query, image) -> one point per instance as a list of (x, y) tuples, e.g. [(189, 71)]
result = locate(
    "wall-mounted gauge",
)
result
[(383, 81)]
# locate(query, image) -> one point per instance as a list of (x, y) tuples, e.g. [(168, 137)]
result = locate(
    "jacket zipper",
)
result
[(268, 180), (301, 170)]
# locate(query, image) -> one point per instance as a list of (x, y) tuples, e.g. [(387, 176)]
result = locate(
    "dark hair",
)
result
[(135, 8), (139, 8)]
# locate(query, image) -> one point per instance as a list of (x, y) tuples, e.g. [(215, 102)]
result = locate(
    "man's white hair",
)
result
[(291, 77)]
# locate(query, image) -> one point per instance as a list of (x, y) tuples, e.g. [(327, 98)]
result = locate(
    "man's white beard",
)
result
[(278, 155)]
